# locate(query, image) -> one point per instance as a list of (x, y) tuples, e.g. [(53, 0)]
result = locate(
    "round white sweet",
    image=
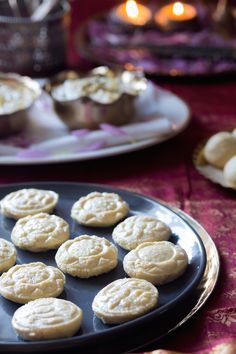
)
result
[(86, 256), (124, 299), (138, 229), (40, 232), (28, 202), (99, 209), (7, 255), (26, 282), (157, 262), (47, 318), (220, 148), (230, 172)]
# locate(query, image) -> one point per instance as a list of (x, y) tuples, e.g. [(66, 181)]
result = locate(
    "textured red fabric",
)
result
[(166, 171)]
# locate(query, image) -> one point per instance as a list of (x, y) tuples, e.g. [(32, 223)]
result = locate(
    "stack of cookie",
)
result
[(152, 260)]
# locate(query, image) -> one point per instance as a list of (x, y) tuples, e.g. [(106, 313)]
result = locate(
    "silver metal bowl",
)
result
[(87, 112), (14, 121)]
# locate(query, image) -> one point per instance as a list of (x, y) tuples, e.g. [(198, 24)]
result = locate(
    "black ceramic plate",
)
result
[(94, 335)]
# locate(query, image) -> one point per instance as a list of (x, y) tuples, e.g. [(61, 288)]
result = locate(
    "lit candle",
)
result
[(177, 15), (133, 13)]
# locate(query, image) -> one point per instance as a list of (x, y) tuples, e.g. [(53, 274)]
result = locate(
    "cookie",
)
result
[(40, 232), (99, 209), (30, 201), (47, 318), (220, 148), (230, 172), (26, 282), (7, 255), (157, 262), (86, 256), (124, 299), (138, 229)]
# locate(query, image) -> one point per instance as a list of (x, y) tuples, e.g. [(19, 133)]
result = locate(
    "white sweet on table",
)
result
[(230, 172), (220, 148)]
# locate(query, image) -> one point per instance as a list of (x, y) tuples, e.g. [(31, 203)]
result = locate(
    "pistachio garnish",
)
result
[(101, 85)]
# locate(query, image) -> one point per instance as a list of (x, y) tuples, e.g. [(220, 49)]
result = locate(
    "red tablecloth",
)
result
[(166, 171)]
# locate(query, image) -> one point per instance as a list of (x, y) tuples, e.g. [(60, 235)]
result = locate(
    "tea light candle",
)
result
[(133, 13), (174, 16)]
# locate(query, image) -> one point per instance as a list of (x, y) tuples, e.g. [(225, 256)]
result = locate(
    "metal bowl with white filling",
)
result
[(17, 95), (100, 96)]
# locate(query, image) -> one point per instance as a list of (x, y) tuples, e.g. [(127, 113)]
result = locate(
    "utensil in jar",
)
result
[(14, 8), (43, 10)]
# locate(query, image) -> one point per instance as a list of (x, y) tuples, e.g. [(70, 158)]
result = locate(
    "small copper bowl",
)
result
[(89, 110), (14, 120)]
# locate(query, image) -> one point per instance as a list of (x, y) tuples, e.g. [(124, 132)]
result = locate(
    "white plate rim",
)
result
[(109, 151)]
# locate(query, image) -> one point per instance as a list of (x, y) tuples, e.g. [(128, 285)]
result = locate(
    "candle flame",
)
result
[(178, 8), (132, 9)]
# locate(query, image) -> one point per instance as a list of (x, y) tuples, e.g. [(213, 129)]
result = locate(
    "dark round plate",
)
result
[(94, 334)]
